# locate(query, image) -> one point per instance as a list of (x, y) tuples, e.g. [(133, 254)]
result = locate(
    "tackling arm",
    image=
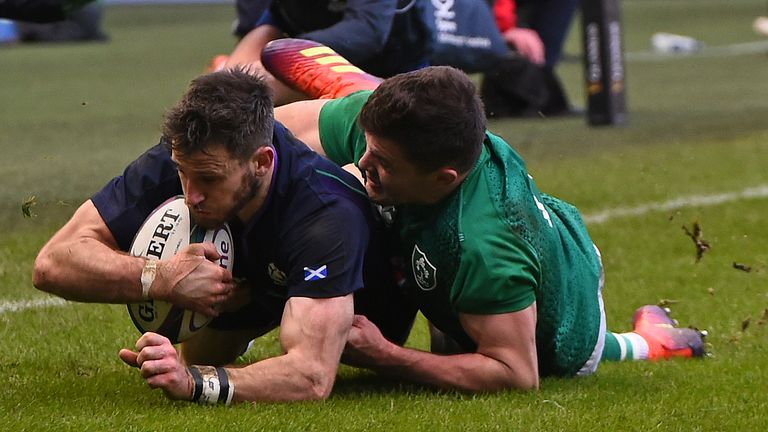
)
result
[(303, 120), (505, 357)]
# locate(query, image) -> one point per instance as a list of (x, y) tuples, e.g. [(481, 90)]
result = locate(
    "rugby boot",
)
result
[(314, 69), (665, 339)]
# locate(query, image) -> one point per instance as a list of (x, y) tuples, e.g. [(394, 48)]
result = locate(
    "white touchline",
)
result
[(30, 304), (760, 191), (757, 47)]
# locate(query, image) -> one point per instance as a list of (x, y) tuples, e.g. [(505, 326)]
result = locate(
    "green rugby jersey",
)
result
[(495, 245)]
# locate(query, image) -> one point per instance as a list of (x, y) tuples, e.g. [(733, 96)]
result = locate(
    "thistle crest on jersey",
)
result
[(424, 272)]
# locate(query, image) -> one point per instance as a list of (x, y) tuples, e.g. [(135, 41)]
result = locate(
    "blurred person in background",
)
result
[(51, 21), (381, 37)]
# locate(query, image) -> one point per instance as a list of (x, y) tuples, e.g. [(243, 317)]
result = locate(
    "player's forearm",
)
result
[(471, 372), (88, 270), (283, 379), (249, 48)]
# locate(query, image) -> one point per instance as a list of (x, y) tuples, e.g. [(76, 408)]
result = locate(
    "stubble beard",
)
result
[(248, 189)]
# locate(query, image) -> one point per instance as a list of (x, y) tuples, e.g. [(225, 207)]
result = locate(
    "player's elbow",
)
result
[(48, 275), (43, 273), (527, 383), (523, 377), (318, 382)]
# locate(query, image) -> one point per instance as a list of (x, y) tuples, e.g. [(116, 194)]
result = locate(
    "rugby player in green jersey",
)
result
[(507, 276)]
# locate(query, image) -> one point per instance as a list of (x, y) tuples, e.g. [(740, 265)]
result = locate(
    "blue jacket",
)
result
[(382, 37)]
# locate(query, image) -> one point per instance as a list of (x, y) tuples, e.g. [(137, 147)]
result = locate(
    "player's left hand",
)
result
[(366, 346), (160, 366)]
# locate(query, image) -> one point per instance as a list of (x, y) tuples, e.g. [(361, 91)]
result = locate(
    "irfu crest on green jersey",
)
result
[(424, 272)]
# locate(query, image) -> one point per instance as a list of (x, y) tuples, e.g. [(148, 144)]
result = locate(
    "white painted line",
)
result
[(31, 304), (603, 216), (758, 47)]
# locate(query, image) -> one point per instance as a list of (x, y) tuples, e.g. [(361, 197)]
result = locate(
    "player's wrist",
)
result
[(211, 385), (148, 275)]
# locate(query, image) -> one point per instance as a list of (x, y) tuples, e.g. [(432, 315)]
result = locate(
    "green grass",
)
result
[(72, 116)]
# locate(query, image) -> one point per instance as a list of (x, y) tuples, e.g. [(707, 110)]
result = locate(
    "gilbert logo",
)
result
[(424, 272)]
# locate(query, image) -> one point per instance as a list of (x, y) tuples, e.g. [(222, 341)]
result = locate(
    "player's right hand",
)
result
[(193, 279), (160, 366)]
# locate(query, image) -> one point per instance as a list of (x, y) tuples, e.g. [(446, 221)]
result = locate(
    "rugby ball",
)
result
[(167, 230)]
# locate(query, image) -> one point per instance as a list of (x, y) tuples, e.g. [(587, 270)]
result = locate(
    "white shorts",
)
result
[(594, 360)]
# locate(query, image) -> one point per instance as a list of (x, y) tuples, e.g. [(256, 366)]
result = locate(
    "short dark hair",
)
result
[(434, 115), (230, 107)]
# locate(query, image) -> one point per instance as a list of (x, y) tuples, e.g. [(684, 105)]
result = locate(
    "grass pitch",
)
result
[(72, 116)]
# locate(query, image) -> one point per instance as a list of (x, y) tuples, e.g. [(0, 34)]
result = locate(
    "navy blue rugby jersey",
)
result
[(309, 239)]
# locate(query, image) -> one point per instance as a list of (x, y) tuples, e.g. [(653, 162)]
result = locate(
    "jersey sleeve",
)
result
[(326, 252), (498, 273), (341, 137), (127, 200)]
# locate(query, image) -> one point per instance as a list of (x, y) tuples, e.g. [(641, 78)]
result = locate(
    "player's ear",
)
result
[(262, 160), (446, 176)]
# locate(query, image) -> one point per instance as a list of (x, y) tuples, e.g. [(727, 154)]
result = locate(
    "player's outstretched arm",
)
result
[(82, 262), (303, 120), (313, 333), (505, 357)]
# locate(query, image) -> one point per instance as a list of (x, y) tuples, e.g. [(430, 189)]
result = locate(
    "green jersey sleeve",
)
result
[(498, 271), (497, 274), (341, 137)]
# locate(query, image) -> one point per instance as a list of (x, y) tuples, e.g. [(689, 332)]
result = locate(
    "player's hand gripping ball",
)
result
[(165, 232)]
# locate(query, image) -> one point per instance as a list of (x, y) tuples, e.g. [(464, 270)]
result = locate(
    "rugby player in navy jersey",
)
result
[(305, 241)]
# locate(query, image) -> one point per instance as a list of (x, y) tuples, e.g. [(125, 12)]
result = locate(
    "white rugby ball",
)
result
[(167, 230)]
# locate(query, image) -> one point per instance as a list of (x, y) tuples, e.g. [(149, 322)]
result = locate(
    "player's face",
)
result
[(389, 178), (216, 186)]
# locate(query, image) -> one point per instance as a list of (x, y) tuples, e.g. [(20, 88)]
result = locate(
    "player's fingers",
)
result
[(209, 251), (359, 320), (151, 339), (150, 370), (129, 357), (226, 275), (197, 249), (154, 352)]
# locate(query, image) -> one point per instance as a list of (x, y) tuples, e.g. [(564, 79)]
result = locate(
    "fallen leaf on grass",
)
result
[(667, 302), (745, 323), (26, 206), (695, 233), (742, 267)]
